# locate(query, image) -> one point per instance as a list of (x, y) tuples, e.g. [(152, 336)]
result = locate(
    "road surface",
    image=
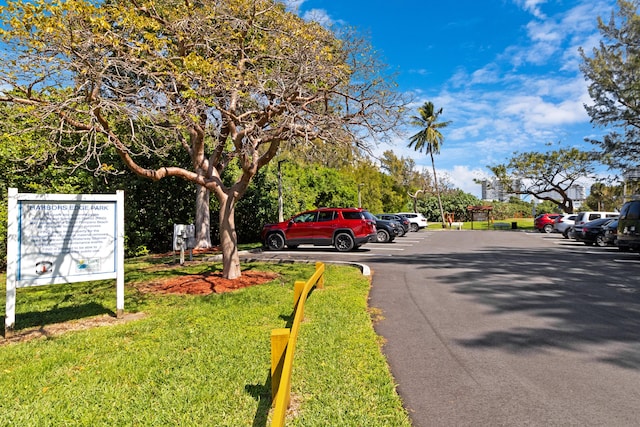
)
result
[(506, 328)]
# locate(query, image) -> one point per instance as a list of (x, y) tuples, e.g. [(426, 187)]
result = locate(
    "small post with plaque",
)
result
[(184, 236)]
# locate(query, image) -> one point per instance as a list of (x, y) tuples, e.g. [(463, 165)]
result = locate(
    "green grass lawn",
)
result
[(196, 360)]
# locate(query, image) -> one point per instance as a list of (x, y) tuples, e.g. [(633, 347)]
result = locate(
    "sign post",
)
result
[(63, 238)]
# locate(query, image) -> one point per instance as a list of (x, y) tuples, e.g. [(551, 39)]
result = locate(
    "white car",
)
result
[(563, 223), (417, 221)]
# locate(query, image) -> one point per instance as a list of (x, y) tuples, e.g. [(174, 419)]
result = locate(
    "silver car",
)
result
[(564, 223)]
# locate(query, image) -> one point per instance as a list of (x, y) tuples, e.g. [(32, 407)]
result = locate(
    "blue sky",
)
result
[(505, 72)]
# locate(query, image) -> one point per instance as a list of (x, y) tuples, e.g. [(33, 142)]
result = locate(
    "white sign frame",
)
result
[(63, 238)]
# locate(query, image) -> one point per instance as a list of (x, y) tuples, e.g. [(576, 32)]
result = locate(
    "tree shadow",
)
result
[(586, 296)]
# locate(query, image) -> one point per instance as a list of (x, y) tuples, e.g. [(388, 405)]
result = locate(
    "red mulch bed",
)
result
[(205, 284)]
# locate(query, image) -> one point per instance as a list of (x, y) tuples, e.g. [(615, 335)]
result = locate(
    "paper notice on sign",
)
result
[(66, 239)]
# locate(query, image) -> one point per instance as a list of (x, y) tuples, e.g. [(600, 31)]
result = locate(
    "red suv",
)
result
[(344, 228), (544, 222)]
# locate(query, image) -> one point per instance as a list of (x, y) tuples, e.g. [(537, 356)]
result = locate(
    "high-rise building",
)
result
[(494, 191)]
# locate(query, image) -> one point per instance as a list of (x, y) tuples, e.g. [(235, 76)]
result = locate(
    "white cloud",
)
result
[(318, 15), (535, 111), (293, 5), (463, 178), (488, 74), (532, 6)]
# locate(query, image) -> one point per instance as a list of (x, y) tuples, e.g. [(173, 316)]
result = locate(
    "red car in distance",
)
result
[(544, 222)]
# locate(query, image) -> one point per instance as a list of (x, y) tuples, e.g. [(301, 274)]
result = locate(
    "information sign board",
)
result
[(63, 238)]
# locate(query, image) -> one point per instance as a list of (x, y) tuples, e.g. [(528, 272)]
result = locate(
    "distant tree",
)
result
[(454, 202), (547, 206), (405, 178), (603, 197), (230, 81), (546, 176), (614, 82), (430, 139), (403, 171), (514, 208)]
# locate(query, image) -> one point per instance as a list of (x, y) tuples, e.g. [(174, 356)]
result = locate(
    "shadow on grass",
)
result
[(262, 394), (58, 315)]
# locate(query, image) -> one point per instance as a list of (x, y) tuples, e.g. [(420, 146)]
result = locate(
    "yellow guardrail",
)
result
[(283, 347)]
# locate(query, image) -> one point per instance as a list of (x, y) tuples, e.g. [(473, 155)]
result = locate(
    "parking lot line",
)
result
[(386, 248)]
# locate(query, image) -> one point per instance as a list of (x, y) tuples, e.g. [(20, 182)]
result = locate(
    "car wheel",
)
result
[(275, 242), (400, 232), (548, 228), (414, 227), (344, 242), (382, 236), (600, 241)]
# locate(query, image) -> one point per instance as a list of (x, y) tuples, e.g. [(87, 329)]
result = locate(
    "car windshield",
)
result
[(369, 215)]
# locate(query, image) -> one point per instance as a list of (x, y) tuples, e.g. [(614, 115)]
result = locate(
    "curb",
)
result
[(364, 268)]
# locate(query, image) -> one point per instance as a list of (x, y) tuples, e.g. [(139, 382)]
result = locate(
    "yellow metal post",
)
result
[(279, 341), (298, 287), (320, 284)]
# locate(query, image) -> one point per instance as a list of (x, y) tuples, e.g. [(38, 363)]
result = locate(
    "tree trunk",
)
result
[(203, 218), (229, 239), (435, 183)]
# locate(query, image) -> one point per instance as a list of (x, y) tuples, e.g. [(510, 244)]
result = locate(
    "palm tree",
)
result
[(430, 139)]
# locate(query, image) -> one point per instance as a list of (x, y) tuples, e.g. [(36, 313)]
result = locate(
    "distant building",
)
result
[(494, 191), (576, 193), (630, 176)]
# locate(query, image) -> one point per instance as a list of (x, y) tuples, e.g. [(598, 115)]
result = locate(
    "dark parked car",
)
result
[(592, 232), (386, 231), (404, 222), (344, 228), (611, 233), (629, 226), (544, 222)]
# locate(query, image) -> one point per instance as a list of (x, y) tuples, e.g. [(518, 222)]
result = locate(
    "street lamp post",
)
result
[(360, 195), (280, 202)]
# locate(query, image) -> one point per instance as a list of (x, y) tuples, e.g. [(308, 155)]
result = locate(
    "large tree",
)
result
[(613, 73), (430, 139), (228, 81), (546, 176)]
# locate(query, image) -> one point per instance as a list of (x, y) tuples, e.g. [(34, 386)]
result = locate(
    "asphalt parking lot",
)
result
[(505, 327)]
